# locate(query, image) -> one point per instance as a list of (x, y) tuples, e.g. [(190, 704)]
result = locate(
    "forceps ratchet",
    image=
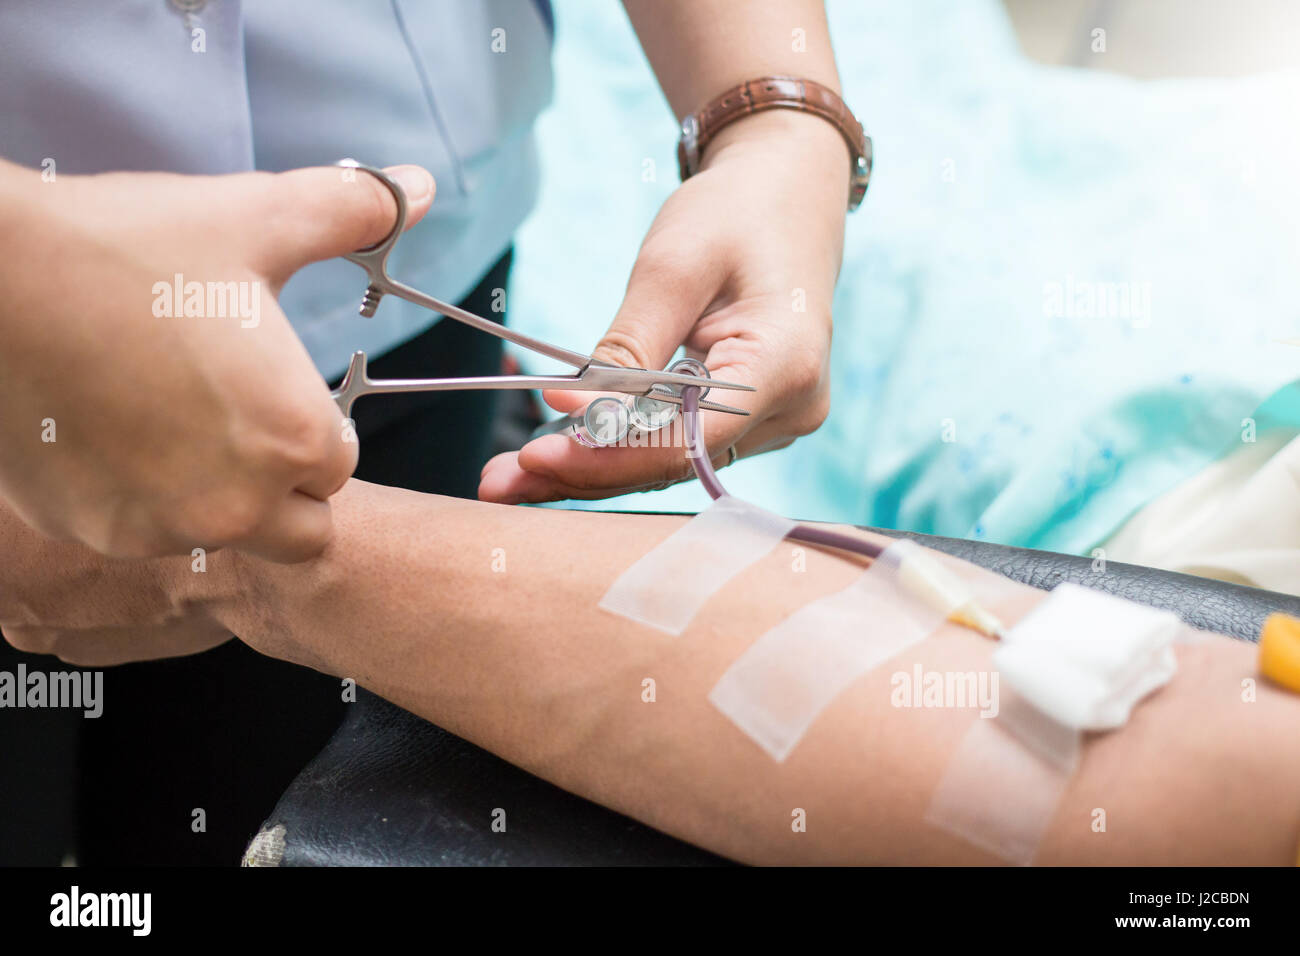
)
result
[(591, 375)]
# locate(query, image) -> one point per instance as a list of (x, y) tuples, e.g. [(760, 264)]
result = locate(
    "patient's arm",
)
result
[(521, 661)]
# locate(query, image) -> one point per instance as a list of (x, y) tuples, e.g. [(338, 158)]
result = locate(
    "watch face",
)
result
[(689, 144), (860, 179)]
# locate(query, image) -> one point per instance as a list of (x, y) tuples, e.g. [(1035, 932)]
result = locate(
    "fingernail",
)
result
[(415, 181)]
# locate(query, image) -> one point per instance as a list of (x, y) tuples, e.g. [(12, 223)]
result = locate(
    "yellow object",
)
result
[(1279, 657), (1279, 651), (928, 580), (977, 619)]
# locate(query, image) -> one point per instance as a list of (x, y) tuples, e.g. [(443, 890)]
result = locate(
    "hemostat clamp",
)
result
[(591, 375)]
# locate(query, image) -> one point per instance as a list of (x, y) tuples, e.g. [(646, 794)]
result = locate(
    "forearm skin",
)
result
[(699, 48), (522, 662)]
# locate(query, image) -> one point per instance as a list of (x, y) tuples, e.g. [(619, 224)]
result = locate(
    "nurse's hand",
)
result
[(141, 421), (62, 598), (739, 266)]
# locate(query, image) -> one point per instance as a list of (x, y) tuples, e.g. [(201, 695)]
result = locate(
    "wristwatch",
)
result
[(777, 92)]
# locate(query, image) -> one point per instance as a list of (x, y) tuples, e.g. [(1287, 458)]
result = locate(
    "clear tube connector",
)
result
[(605, 421), (609, 419)]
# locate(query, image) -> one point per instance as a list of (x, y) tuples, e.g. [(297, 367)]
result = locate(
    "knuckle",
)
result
[(317, 542), (56, 519), (376, 215), (131, 546), (31, 640), (586, 482), (227, 520), (669, 262), (342, 462), (663, 261), (624, 346), (815, 415), (805, 370), (310, 543), (304, 437), (48, 525), (780, 443), (675, 469), (136, 532)]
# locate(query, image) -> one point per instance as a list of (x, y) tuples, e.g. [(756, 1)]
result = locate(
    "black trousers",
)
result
[(226, 731)]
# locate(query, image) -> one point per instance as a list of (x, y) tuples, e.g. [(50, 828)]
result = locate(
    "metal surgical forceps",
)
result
[(592, 375)]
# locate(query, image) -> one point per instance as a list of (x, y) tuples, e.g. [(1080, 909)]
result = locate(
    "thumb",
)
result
[(666, 295), (329, 211)]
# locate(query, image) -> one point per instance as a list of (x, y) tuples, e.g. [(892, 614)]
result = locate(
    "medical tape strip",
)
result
[(1191, 635), (1003, 784), (784, 680), (669, 584), (1080, 661)]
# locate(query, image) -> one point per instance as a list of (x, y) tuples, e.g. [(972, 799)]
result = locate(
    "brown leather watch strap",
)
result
[(777, 92)]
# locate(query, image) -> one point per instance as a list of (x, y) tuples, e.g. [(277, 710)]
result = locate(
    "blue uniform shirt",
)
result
[(452, 86)]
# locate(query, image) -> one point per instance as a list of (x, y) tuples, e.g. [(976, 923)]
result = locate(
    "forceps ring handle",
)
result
[(374, 259)]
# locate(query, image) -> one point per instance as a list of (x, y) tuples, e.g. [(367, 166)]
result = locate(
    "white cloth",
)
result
[(1237, 520)]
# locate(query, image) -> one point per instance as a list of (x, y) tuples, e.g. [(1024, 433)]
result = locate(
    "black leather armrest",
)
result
[(391, 788), (1230, 609)]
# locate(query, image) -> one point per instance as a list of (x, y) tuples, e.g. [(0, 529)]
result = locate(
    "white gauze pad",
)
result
[(1079, 661), (669, 584), (785, 679), (1085, 658)]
